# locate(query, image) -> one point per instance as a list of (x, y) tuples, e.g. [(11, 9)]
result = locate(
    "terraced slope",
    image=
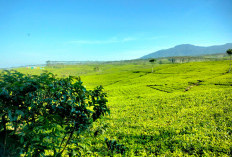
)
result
[(179, 110)]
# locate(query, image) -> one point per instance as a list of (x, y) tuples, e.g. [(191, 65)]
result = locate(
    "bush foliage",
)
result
[(43, 114)]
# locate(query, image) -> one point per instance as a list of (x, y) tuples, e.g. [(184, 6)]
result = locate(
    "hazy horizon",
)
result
[(33, 32)]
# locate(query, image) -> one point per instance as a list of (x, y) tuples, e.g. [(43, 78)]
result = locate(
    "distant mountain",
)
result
[(189, 50)]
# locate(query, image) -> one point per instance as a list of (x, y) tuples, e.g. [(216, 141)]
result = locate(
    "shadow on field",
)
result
[(154, 87)]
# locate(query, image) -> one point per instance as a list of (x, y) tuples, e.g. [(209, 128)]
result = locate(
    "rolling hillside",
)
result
[(179, 110)]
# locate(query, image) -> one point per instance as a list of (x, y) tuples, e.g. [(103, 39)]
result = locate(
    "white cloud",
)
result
[(155, 37), (128, 39), (108, 41), (113, 40)]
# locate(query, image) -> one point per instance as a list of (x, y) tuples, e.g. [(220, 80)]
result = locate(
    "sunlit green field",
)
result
[(178, 110)]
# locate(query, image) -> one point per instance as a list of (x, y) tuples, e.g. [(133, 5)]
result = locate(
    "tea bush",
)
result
[(44, 115)]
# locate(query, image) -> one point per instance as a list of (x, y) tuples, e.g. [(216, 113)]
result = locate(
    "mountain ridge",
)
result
[(188, 50)]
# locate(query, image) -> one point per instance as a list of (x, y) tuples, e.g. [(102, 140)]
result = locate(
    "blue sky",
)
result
[(34, 31)]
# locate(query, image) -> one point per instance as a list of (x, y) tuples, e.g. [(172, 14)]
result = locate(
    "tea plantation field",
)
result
[(178, 110)]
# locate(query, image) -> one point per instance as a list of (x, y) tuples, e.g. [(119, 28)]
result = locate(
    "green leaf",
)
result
[(21, 139)]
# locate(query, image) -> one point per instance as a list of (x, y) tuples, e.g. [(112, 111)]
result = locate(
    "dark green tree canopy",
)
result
[(45, 113), (229, 51), (152, 60)]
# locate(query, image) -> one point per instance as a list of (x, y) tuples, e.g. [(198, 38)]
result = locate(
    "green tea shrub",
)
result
[(115, 147), (43, 114)]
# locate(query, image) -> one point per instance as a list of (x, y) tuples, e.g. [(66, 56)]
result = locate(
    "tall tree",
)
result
[(229, 52), (152, 62)]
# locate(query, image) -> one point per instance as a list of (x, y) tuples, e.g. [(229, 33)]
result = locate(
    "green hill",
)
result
[(179, 110)]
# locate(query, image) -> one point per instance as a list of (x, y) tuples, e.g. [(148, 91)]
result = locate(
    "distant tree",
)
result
[(182, 60), (172, 60), (48, 63), (229, 52), (96, 68), (152, 62)]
